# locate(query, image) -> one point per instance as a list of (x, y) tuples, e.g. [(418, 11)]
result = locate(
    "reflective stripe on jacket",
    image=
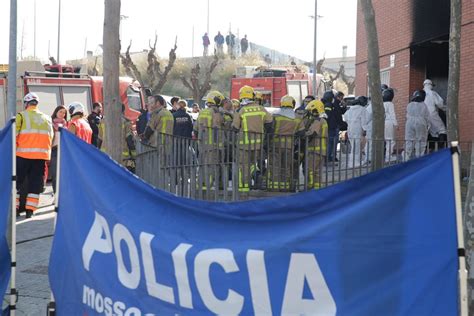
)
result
[(34, 134)]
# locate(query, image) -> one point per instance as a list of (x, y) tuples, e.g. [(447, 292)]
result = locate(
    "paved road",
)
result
[(33, 258)]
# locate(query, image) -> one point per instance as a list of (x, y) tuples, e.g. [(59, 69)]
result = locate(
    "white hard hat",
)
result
[(428, 81), (76, 107), (31, 97)]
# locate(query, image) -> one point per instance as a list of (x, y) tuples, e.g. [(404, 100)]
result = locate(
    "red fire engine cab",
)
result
[(63, 84), (274, 83)]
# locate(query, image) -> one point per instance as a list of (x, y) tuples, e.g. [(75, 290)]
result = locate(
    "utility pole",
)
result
[(34, 30), (208, 17), (315, 45), (59, 31), (11, 97), (22, 48), (112, 102)]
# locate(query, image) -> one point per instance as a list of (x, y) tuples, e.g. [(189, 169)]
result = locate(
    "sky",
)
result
[(285, 26)]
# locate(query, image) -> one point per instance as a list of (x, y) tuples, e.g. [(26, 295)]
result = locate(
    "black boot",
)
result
[(29, 214)]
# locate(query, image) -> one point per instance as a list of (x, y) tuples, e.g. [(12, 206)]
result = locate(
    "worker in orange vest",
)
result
[(34, 135), (78, 125)]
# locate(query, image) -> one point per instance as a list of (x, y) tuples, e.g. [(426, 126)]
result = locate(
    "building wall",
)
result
[(466, 96), (395, 31)]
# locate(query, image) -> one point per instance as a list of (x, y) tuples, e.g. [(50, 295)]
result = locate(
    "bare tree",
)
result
[(199, 90), (373, 68), (350, 82), (156, 77), (94, 70), (319, 65), (112, 102), (454, 69)]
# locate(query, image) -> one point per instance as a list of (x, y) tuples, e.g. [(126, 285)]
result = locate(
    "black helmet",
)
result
[(388, 95), (328, 96), (360, 100), (418, 96), (383, 86)]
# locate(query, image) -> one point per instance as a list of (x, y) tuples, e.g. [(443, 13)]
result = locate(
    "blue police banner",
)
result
[(381, 244), (6, 150)]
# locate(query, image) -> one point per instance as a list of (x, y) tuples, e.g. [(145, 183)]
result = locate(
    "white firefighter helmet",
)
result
[(31, 97), (76, 108)]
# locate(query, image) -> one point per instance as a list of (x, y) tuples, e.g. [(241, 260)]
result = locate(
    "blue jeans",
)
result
[(333, 139)]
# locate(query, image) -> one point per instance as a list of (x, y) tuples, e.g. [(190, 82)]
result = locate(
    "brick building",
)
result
[(413, 42)]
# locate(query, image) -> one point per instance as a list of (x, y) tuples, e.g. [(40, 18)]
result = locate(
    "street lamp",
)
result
[(315, 17), (59, 31)]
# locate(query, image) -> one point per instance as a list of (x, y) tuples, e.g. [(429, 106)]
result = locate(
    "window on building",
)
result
[(384, 79)]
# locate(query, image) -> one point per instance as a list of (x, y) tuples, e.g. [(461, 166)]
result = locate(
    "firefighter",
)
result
[(129, 152), (209, 130), (285, 127), (159, 129), (302, 116), (34, 135), (235, 105), (252, 121), (258, 98), (78, 125), (317, 134)]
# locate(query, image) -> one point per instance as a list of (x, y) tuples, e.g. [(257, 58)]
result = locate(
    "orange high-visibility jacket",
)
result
[(34, 134)]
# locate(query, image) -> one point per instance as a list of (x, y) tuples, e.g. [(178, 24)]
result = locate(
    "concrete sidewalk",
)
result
[(33, 250)]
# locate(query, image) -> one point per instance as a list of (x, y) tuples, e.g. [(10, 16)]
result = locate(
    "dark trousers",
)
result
[(53, 165), (32, 172), (333, 139)]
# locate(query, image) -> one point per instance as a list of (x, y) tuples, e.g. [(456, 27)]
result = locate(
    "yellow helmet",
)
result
[(315, 106), (287, 102), (235, 103), (246, 92), (214, 98)]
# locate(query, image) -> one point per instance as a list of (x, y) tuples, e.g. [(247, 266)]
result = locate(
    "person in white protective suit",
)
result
[(434, 102), (368, 134), (356, 117), (417, 125), (390, 122)]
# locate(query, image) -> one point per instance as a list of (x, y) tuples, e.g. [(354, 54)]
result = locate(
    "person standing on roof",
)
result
[(356, 118), (78, 125), (205, 42), (244, 44), (219, 42), (34, 135), (252, 122)]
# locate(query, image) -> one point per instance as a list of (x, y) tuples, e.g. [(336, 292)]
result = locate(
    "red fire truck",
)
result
[(274, 83), (62, 85)]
